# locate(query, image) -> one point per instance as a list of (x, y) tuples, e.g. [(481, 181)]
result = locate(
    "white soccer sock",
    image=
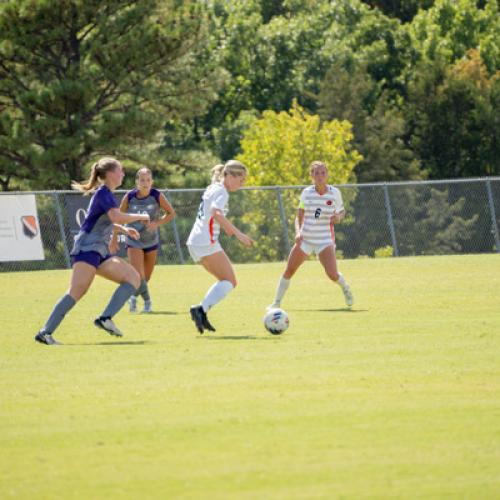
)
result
[(216, 293), (341, 281), (281, 290)]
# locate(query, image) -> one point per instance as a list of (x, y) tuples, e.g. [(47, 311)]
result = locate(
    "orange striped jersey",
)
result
[(205, 230), (317, 228)]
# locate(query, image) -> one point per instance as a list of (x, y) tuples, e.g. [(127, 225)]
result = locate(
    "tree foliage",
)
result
[(279, 148), (82, 78)]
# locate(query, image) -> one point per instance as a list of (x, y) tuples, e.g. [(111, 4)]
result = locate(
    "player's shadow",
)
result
[(170, 313), (337, 309), (234, 337), (116, 342)]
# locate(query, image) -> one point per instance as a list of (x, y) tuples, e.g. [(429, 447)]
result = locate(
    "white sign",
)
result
[(19, 229)]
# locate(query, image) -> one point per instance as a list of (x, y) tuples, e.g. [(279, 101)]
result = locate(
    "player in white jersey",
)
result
[(203, 242), (320, 208)]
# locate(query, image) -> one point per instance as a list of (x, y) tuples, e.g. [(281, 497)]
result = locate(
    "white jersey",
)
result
[(205, 230), (317, 228)]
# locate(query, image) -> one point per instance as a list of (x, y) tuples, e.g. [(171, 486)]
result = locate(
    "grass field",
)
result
[(398, 398)]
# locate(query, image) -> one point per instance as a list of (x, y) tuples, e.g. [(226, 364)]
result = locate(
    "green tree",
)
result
[(379, 127), (454, 113), (405, 10), (278, 150), (85, 77)]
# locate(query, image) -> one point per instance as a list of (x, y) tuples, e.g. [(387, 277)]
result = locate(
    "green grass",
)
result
[(398, 398)]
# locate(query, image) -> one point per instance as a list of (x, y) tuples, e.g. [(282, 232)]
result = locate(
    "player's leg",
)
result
[(119, 271), (149, 265), (219, 265), (329, 262), (295, 260), (81, 278), (136, 259)]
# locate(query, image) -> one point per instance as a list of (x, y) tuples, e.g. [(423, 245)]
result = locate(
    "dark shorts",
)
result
[(145, 250), (93, 258)]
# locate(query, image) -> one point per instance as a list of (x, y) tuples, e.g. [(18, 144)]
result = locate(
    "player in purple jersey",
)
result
[(142, 253), (91, 254)]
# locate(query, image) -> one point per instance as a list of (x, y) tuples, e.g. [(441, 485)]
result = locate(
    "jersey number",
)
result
[(200, 210), (317, 213)]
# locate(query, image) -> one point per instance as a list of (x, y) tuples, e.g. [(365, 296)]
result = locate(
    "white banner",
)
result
[(19, 229)]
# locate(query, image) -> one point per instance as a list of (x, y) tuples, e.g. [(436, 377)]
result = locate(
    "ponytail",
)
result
[(233, 167), (217, 173), (97, 174)]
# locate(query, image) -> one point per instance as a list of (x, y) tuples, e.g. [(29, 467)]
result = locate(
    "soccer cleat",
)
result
[(197, 315), (274, 305), (349, 299), (148, 307), (107, 325), (132, 304), (46, 338), (206, 324)]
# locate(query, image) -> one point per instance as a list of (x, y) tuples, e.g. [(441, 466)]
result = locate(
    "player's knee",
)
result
[(133, 277), (77, 291), (333, 275), (233, 281)]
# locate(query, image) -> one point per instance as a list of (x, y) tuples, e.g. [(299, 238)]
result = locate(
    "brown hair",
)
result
[(233, 167), (316, 164), (143, 170), (97, 173)]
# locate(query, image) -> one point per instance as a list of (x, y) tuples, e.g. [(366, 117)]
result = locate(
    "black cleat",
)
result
[(46, 338), (206, 323), (197, 315)]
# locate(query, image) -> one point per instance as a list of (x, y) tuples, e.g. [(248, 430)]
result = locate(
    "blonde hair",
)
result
[(97, 173), (143, 170), (316, 164), (233, 167)]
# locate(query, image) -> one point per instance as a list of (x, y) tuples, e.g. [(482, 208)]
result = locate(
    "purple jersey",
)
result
[(96, 229)]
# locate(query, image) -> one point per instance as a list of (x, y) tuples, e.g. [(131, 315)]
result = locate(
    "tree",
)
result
[(88, 77), (454, 114), (278, 149), (379, 128), (405, 10)]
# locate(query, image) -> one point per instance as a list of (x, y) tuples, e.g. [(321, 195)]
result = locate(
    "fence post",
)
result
[(493, 215), (390, 221), (61, 229), (176, 236), (283, 220)]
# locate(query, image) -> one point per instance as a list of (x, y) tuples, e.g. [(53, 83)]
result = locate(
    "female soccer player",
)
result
[(91, 254), (203, 242), (320, 207), (142, 252)]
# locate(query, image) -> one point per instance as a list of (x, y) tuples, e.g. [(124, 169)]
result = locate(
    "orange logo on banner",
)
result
[(30, 226)]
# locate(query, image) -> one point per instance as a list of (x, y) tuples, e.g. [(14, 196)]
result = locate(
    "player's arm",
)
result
[(116, 227), (338, 216), (168, 209), (119, 217), (230, 229), (299, 222)]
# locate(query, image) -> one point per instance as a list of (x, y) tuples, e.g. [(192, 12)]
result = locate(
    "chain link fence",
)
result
[(396, 219)]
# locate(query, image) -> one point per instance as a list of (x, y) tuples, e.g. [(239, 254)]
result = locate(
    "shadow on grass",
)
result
[(338, 309), (116, 342), (170, 313), (235, 337)]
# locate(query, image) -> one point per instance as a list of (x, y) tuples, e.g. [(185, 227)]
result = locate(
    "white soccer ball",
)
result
[(276, 321)]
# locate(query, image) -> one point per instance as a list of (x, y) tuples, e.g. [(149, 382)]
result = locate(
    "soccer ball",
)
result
[(276, 321)]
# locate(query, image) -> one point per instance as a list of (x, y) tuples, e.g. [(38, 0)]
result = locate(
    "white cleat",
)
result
[(148, 307), (349, 299), (132, 304), (107, 325)]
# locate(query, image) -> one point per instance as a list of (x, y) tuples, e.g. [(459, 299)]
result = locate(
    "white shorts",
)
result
[(197, 252), (309, 248)]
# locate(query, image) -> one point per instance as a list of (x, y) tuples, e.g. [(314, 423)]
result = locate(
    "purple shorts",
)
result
[(145, 250), (93, 258)]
